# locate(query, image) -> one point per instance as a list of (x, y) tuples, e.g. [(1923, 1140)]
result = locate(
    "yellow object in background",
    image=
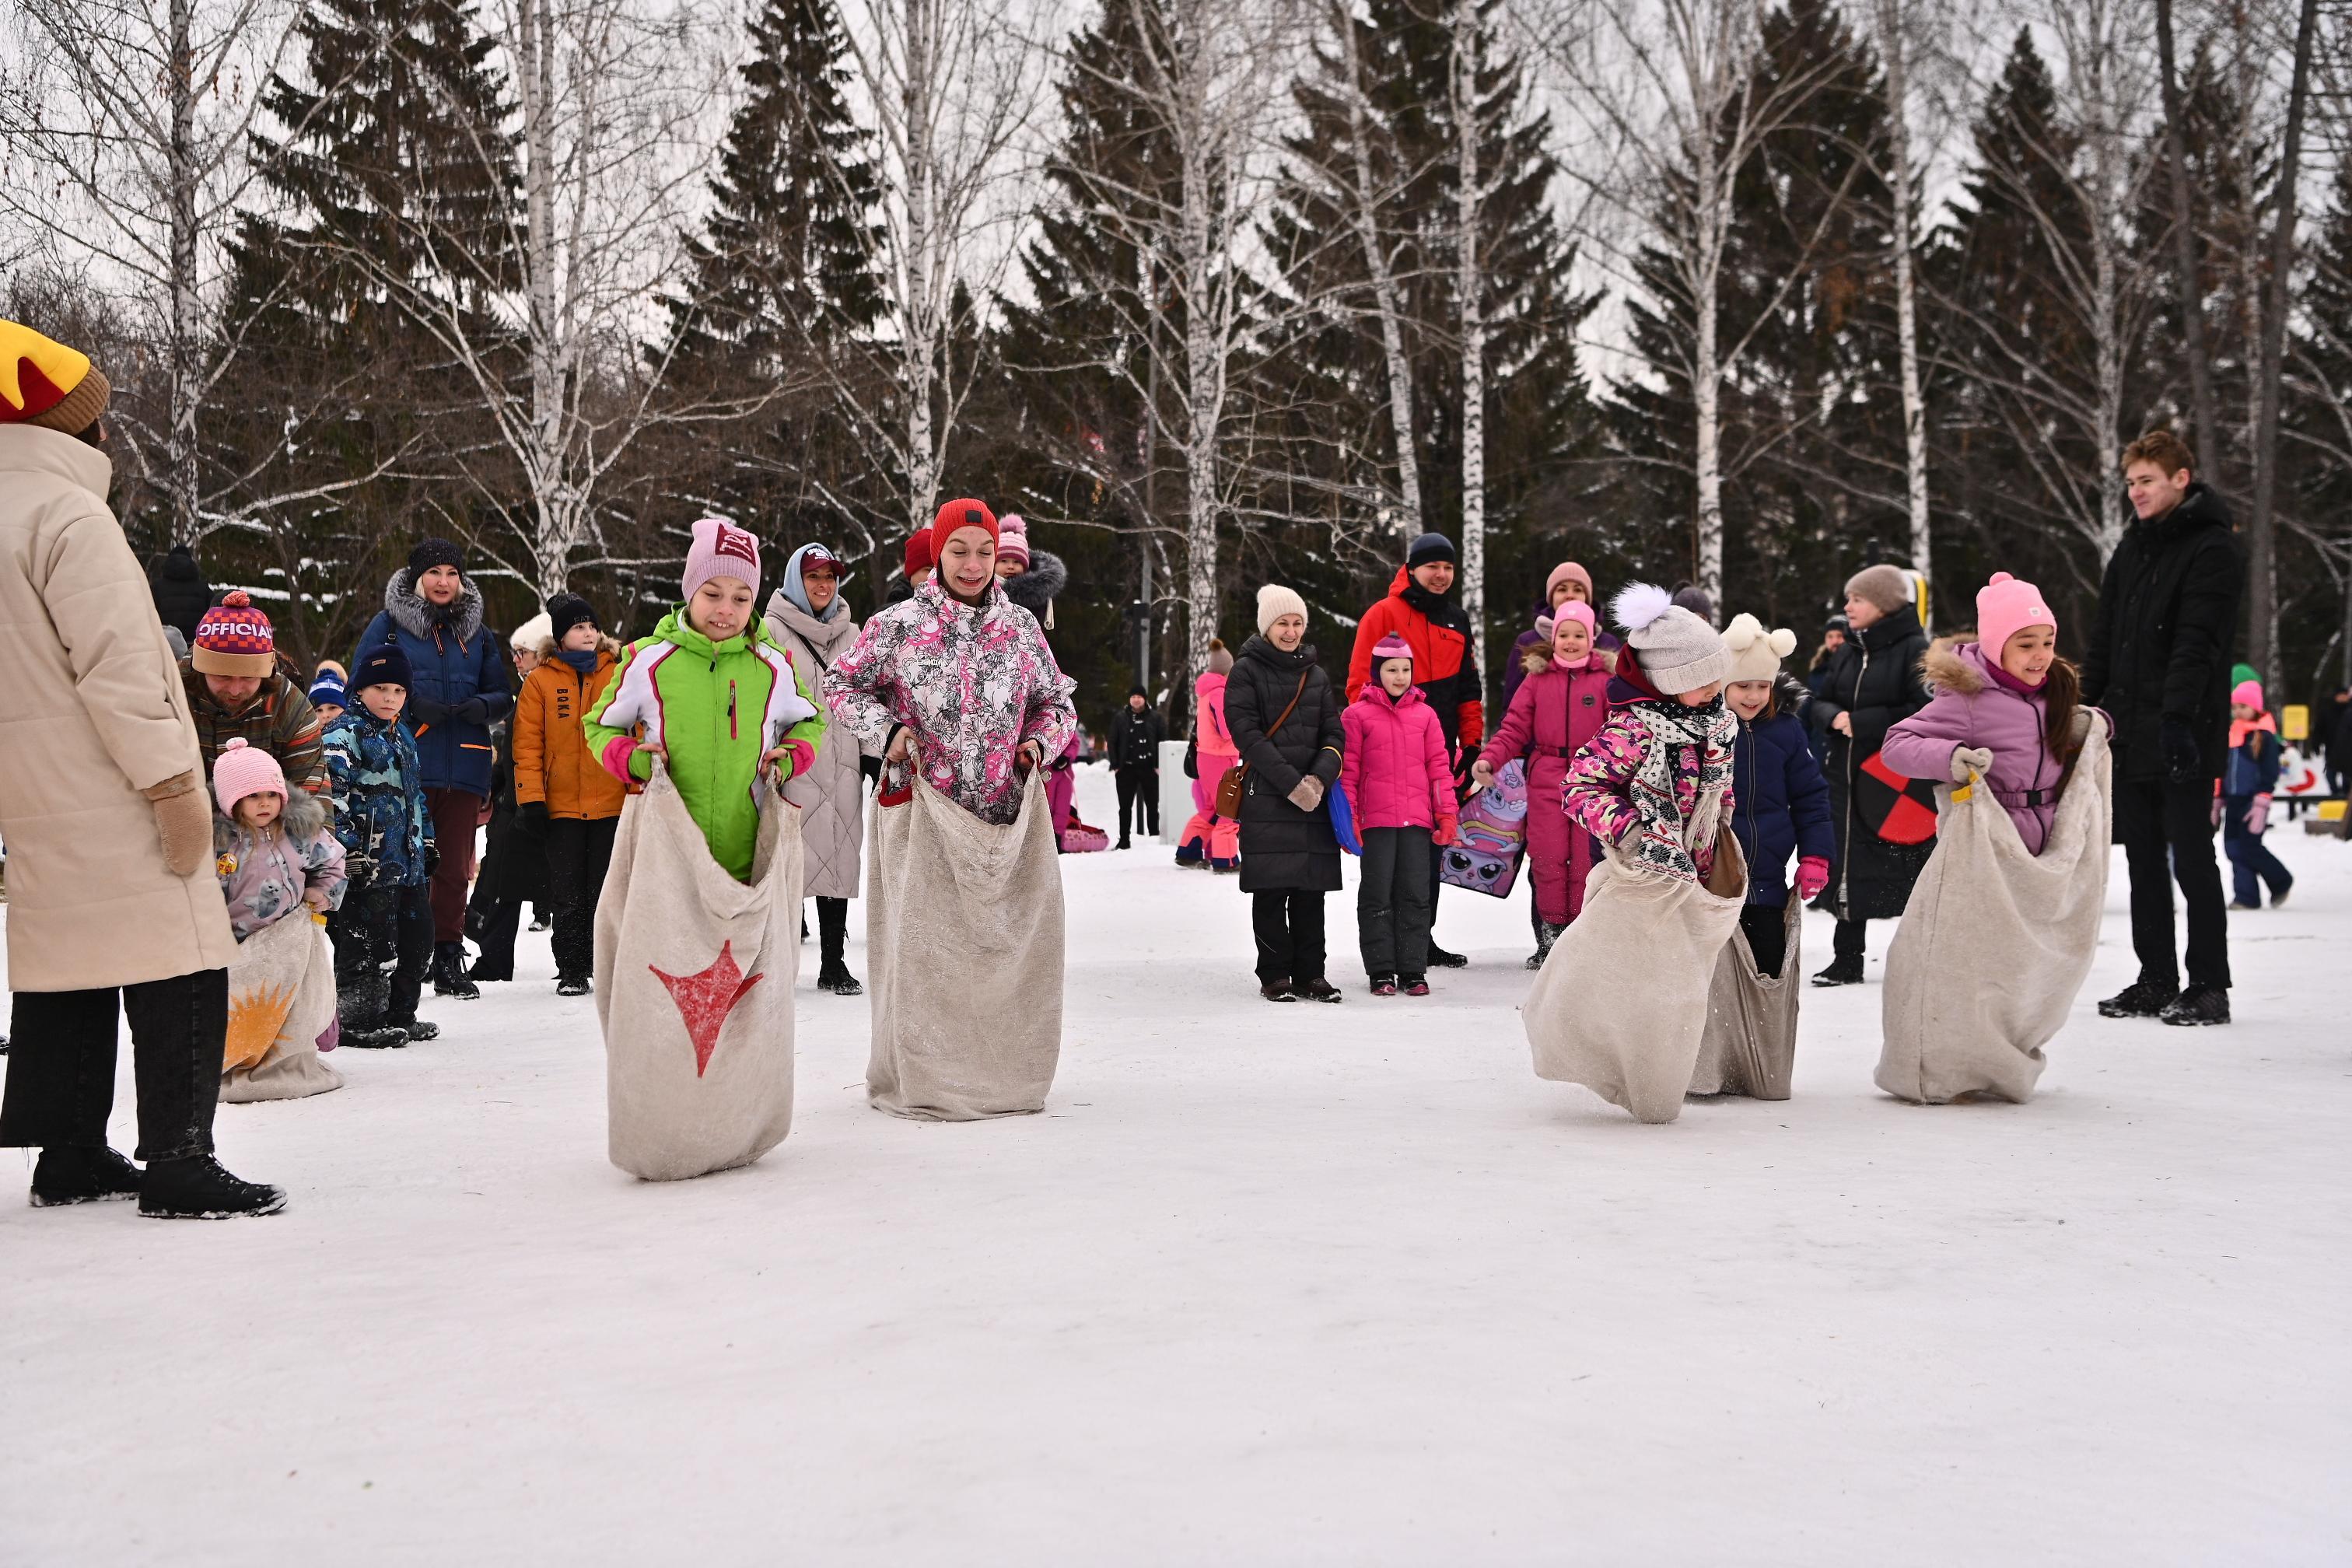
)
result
[(2294, 722), (2331, 811)]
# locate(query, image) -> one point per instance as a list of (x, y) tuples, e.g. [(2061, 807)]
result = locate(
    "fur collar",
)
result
[(1947, 670), (1040, 585), (411, 613), (304, 818)]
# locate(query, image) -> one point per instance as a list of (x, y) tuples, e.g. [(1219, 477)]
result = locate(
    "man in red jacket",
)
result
[(1445, 666)]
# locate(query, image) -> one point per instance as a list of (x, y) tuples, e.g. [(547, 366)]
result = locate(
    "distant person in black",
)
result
[(2159, 662), (1135, 737)]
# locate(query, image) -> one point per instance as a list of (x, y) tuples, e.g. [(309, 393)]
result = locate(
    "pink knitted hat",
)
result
[(1388, 647), (1567, 571), (1013, 539), (242, 770), (721, 550), (2006, 606), (2249, 692)]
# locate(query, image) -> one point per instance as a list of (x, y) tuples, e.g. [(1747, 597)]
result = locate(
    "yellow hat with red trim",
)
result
[(44, 383)]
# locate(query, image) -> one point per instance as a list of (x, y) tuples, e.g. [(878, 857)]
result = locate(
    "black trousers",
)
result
[(1139, 797), (579, 853), (493, 923), (1768, 936), (1288, 924), (1850, 940), (1393, 902), (383, 943), (2167, 832), (832, 928), (61, 1064)]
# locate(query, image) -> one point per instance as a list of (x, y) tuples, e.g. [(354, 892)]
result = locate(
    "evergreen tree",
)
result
[(781, 285)]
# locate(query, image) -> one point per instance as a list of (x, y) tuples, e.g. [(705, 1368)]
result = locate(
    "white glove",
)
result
[(1307, 793), (1970, 759)]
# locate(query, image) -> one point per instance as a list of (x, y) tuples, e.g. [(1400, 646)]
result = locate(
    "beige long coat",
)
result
[(91, 712), (831, 798)]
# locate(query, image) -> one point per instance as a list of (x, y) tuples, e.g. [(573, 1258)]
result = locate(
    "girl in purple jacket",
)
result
[(2003, 711), (1394, 768)]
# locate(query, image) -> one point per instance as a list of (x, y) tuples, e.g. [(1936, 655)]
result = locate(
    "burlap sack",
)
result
[(1995, 941), (1622, 1002), (281, 997), (1750, 1045), (693, 988), (963, 958)]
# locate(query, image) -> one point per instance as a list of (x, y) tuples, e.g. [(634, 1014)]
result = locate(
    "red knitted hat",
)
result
[(233, 638), (959, 514), (918, 554)]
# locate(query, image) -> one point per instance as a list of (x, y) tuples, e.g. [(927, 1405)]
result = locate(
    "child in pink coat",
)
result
[(1555, 710), (2003, 708), (1400, 785), (1211, 842)]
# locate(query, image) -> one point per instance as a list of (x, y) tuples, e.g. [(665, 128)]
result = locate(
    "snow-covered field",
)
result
[(1264, 1285)]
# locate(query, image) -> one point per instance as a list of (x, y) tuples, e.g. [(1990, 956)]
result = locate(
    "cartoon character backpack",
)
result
[(1493, 835)]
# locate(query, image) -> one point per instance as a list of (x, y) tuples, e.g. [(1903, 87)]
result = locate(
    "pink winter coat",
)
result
[(1551, 716), (1975, 706), (1211, 733), (1394, 764)]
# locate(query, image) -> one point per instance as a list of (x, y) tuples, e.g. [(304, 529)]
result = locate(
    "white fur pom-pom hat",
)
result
[(1677, 651), (1756, 654)]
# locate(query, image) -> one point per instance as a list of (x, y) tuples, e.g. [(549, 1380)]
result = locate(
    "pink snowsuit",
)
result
[(1551, 716), (1218, 837), (1974, 706), (1394, 765)]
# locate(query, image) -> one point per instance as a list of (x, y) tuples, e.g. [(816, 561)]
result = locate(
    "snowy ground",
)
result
[(1297, 1285)]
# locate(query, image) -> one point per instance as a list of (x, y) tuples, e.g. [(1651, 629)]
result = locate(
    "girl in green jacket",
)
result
[(712, 694)]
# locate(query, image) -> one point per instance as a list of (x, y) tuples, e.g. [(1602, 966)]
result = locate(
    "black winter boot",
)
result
[(1545, 936), (1842, 970), (416, 1029), (1439, 958), (2142, 998), (384, 1038), (197, 1188), (572, 986), (1317, 990), (82, 1173), (450, 976)]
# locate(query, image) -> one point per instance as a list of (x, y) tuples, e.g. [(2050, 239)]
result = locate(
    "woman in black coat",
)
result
[(1290, 857), (1871, 684)]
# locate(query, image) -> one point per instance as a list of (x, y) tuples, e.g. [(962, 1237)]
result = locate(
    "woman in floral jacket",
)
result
[(958, 681)]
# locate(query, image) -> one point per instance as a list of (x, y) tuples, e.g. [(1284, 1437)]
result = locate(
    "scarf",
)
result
[(1663, 841), (583, 660)]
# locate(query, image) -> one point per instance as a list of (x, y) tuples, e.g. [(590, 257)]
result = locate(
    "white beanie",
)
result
[(1274, 602), (1677, 651), (1756, 654), (533, 633)]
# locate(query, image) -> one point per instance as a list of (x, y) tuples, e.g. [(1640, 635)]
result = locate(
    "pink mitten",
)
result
[(2258, 816), (1813, 875)]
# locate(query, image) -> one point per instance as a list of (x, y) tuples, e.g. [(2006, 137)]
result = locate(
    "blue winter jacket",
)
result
[(453, 660), (379, 810), (2253, 768), (1781, 801)]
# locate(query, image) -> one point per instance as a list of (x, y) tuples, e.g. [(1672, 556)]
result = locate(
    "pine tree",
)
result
[(781, 286)]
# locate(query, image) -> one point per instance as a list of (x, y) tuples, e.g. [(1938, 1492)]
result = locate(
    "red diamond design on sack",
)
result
[(705, 999)]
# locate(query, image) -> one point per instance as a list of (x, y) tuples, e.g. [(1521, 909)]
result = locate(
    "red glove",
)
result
[(2258, 816), (1813, 875), (1448, 832)]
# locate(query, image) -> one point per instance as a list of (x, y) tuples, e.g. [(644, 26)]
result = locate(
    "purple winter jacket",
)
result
[(1973, 707)]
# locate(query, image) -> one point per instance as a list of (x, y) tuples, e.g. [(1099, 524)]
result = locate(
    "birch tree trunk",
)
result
[(1709, 200), (922, 323), (1205, 368), (1895, 47), (1469, 204), (1385, 297)]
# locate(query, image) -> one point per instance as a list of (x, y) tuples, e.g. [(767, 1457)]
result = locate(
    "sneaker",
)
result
[(450, 976), (1315, 991), (383, 1040), (1441, 959), (2142, 998), (1384, 985), (418, 1028), (1840, 972), (572, 985), (2198, 1006), (82, 1173), (1417, 988), (2278, 897), (1276, 991), (197, 1188)]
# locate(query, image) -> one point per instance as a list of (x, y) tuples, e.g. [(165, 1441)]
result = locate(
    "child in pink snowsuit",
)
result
[(1552, 714), (1209, 840), (1999, 702), (1394, 769)]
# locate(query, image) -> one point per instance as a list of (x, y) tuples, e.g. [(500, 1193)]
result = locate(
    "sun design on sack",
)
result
[(255, 1017), (704, 1000)]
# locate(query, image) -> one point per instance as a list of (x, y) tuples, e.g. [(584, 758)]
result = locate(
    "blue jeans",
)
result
[(2252, 864)]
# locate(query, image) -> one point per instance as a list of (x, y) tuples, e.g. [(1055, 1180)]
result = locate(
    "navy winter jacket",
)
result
[(2253, 767), (453, 660), (1780, 803)]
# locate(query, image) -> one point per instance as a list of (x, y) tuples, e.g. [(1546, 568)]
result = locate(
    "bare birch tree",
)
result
[(1469, 217), (1897, 23)]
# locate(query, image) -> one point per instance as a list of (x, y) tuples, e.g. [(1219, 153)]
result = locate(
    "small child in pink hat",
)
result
[(2249, 773)]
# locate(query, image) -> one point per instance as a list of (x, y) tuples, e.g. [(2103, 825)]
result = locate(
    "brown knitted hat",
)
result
[(1887, 587)]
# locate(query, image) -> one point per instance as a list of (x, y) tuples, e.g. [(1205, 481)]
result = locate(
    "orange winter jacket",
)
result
[(551, 762), (1439, 633)]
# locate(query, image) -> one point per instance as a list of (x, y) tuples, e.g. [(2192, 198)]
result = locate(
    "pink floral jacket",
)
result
[(1598, 793), (972, 685)]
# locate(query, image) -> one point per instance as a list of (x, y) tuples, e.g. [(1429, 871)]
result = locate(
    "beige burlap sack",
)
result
[(1995, 941), (1750, 1045), (694, 987), (963, 958), (281, 997), (1622, 1002)]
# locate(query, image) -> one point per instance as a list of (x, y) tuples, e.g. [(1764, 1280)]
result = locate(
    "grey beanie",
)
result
[(1677, 651), (1887, 587)]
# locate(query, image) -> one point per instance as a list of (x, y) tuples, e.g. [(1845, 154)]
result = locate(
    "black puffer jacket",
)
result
[(1875, 679), (1283, 846), (1135, 738), (181, 593), (2159, 645)]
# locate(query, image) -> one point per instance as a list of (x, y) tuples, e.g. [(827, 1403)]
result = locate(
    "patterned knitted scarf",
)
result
[(1663, 843)]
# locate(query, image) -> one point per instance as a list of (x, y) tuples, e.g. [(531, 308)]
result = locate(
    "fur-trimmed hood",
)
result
[(412, 613), (304, 818), (1955, 664), (1040, 585)]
